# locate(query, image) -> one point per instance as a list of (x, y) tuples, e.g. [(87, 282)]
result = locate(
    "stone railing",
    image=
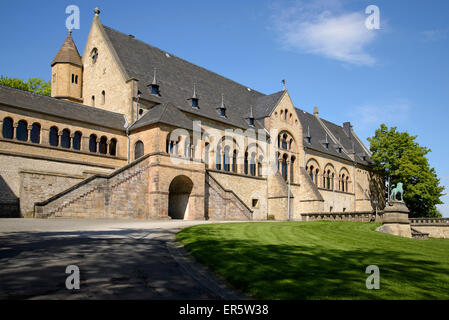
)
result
[(429, 221), (343, 216)]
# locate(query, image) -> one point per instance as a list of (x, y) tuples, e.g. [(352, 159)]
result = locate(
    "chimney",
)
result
[(315, 111), (347, 126)]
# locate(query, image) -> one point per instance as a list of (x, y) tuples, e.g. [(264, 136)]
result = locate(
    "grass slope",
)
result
[(320, 260)]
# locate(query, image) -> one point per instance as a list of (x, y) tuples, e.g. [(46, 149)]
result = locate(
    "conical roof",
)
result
[(68, 53)]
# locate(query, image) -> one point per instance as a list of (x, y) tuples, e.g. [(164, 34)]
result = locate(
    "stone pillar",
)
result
[(85, 143), (45, 138), (14, 128), (29, 127), (395, 219)]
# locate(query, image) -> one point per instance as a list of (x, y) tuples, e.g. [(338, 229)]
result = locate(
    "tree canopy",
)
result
[(398, 156), (35, 85)]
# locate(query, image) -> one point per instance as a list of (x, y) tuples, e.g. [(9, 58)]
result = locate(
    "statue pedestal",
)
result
[(395, 219)]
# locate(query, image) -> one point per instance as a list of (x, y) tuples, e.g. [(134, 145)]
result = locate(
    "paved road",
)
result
[(117, 260)]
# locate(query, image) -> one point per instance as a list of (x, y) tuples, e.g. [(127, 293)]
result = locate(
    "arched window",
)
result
[(103, 145), (22, 131), (332, 181), (93, 143), (343, 182), (103, 97), (54, 137), (311, 173), (8, 129), (226, 159), (94, 55), (73, 78), (328, 178), (76, 79), (347, 184), (113, 147), (317, 171), (252, 165), (35, 133), (93, 101), (284, 167), (218, 158), (246, 163), (65, 139), (292, 169), (139, 150), (77, 140), (234, 161)]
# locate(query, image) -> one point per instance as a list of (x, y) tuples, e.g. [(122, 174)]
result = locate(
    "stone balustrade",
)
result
[(429, 221), (343, 216)]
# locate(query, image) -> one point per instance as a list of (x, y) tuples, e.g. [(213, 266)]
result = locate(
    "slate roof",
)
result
[(68, 53), (314, 129), (176, 78), (60, 108)]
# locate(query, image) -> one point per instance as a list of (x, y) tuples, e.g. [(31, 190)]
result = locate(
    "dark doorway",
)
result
[(179, 195)]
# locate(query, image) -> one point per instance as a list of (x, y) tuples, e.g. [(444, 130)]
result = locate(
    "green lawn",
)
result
[(320, 260)]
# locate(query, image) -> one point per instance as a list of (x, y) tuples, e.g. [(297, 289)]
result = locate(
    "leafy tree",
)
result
[(398, 156), (35, 85)]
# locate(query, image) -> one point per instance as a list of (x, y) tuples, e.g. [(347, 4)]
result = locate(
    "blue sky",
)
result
[(397, 75)]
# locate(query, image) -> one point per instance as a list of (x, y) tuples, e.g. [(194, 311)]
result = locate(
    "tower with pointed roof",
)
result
[(67, 72)]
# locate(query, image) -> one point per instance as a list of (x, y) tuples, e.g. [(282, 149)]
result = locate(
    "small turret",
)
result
[(67, 72)]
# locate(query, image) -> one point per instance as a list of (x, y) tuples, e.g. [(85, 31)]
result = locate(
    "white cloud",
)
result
[(324, 29)]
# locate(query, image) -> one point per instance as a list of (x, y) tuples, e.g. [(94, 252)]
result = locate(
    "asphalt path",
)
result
[(116, 259)]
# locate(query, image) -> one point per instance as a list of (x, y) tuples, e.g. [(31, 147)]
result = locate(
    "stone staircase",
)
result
[(223, 204), (102, 196)]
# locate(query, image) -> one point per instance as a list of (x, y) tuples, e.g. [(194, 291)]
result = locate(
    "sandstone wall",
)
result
[(249, 189)]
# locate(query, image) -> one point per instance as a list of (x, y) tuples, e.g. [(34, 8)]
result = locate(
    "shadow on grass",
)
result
[(282, 271)]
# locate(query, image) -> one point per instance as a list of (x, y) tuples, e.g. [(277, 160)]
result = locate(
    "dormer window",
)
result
[(309, 140), (339, 150), (251, 122), (195, 103), (326, 145), (222, 112), (154, 88)]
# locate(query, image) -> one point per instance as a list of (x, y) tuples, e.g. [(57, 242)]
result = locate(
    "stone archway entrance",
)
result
[(179, 196)]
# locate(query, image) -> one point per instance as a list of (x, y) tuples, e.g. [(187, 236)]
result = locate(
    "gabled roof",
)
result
[(163, 113), (60, 108), (68, 53), (265, 104), (176, 78), (314, 129)]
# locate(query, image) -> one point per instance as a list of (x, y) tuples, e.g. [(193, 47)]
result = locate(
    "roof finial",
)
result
[(154, 78), (222, 102), (70, 32), (283, 85), (194, 91), (97, 11)]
